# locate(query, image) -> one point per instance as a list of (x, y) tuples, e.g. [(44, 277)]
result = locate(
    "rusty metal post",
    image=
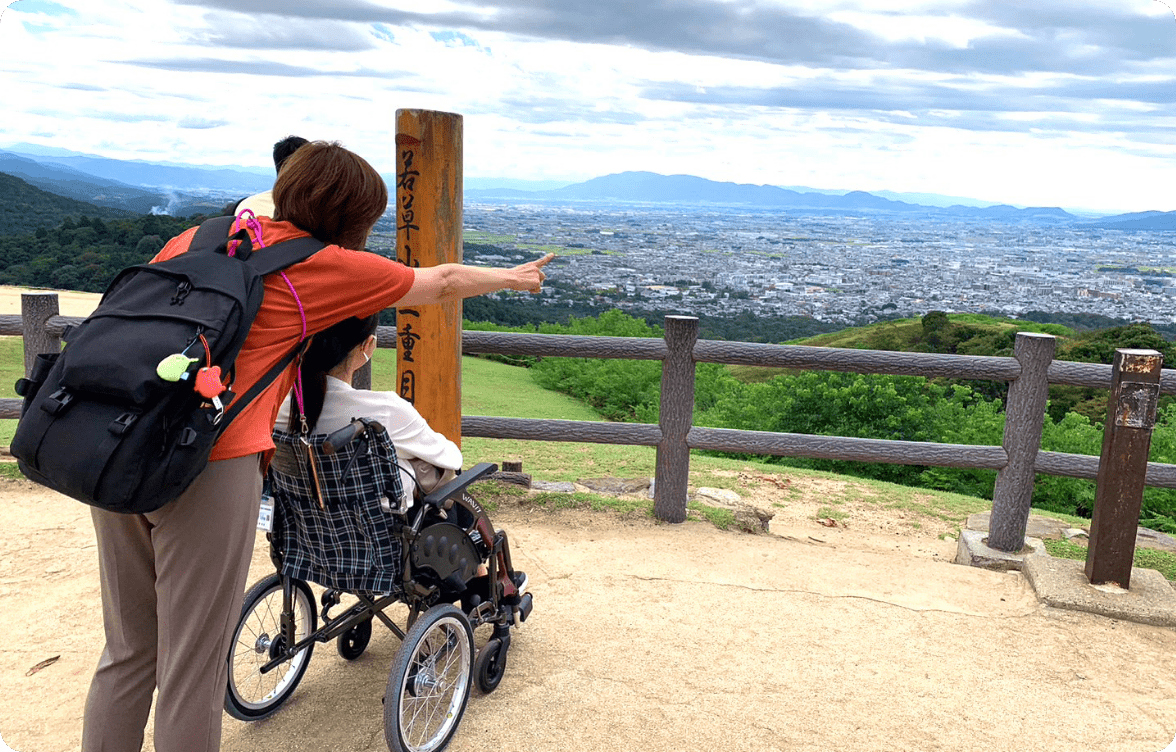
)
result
[(1131, 416), (1024, 416), (676, 415), (428, 233), (36, 308)]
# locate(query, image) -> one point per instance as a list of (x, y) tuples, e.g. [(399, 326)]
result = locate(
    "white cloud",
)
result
[(954, 101), (895, 25)]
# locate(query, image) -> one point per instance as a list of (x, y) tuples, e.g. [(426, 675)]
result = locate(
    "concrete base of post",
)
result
[(974, 552), (1062, 583)]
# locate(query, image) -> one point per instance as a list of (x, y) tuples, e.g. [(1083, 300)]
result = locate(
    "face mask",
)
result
[(366, 358)]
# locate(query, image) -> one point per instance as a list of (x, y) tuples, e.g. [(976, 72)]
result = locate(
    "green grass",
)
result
[(558, 250), (911, 329), (723, 519), (475, 236), (903, 333), (1145, 558), (11, 369)]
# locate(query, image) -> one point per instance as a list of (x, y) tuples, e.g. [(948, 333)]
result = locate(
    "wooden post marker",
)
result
[(1131, 416), (428, 233)]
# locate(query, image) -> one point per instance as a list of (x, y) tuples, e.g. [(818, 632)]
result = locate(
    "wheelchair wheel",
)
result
[(490, 665), (257, 640), (429, 684), (354, 641)]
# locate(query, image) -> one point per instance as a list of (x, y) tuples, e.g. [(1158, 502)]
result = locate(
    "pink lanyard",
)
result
[(252, 223)]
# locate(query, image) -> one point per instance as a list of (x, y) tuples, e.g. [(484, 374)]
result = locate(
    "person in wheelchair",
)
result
[(343, 520), (426, 458)]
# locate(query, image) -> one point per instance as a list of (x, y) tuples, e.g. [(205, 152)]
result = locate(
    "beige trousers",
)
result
[(173, 582)]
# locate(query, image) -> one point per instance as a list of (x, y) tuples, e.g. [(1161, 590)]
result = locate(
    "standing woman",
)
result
[(173, 580)]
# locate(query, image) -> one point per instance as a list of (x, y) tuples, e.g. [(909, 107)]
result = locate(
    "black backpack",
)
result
[(115, 419)]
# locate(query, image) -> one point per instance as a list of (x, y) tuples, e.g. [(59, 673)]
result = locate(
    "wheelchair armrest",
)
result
[(458, 484)]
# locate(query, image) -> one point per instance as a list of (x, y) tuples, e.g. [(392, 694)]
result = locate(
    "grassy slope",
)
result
[(899, 334), (908, 331)]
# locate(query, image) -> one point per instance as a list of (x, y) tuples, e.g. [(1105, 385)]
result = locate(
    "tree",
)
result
[(935, 325)]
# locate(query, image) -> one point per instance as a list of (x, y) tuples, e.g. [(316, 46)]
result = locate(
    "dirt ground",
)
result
[(69, 302), (669, 637), (795, 501)]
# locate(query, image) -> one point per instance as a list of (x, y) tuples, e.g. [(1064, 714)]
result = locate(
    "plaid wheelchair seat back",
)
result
[(348, 542)]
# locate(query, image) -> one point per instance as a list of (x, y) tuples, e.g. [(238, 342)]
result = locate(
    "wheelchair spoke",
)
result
[(258, 641), (433, 688)]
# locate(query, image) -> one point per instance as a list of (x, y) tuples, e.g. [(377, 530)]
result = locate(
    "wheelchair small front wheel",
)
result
[(429, 684), (257, 640), (354, 641), (490, 665)]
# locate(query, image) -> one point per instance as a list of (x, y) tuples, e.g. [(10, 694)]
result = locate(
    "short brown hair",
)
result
[(330, 192)]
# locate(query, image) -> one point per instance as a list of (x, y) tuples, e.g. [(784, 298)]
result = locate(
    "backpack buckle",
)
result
[(57, 402), (122, 423)]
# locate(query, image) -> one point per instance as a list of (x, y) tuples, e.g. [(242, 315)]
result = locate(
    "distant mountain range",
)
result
[(139, 187), (648, 187), (24, 208), (180, 189)]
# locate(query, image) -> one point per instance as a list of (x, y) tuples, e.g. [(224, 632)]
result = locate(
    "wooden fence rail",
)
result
[(1017, 460)]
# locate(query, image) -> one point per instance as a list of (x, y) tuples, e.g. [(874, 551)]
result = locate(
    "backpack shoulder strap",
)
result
[(240, 403), (211, 233), (281, 255), (215, 232)]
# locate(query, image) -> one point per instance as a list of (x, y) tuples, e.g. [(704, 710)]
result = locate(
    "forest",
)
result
[(85, 253)]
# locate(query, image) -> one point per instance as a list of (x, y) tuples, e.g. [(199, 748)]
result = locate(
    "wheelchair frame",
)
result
[(436, 659)]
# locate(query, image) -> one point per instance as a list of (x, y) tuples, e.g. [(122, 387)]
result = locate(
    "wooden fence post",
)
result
[(36, 308), (1024, 417), (428, 233), (1131, 416), (672, 474)]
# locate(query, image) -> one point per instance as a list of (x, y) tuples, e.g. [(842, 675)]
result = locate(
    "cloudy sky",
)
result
[(1034, 102)]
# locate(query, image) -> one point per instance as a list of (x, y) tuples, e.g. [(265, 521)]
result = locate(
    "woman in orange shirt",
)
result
[(173, 580)]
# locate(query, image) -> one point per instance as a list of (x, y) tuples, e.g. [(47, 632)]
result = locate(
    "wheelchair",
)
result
[(339, 520)]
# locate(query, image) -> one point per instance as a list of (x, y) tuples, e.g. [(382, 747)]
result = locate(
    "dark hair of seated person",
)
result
[(284, 148), (327, 349), (331, 193)]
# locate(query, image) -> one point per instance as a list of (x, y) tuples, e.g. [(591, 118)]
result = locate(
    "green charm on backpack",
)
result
[(174, 367)]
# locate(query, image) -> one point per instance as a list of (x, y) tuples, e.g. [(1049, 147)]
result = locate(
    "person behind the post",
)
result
[(262, 204)]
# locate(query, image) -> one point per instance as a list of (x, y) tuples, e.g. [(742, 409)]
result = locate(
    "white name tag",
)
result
[(265, 518)]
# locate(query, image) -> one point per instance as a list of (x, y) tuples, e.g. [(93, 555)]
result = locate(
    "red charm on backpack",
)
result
[(208, 382)]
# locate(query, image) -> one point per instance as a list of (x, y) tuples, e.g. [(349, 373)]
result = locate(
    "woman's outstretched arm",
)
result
[(449, 282)]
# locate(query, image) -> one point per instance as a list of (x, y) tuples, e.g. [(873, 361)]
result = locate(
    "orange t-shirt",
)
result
[(333, 284)]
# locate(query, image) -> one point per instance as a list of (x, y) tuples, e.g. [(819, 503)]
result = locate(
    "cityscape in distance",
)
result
[(645, 242), (848, 268)]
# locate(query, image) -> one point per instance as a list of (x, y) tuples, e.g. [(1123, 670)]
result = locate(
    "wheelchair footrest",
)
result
[(526, 603)]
